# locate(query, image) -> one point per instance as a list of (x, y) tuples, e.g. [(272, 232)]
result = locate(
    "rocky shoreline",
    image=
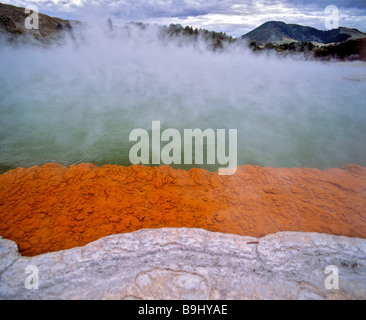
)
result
[(185, 264)]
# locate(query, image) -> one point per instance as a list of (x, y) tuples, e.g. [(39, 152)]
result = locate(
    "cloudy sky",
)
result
[(230, 16)]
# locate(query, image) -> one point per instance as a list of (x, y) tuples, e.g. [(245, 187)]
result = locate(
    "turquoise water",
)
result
[(78, 104)]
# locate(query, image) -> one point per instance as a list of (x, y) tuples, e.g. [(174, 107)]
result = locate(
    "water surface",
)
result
[(71, 104)]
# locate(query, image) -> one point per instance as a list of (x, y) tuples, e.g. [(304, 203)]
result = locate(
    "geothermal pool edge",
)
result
[(186, 264)]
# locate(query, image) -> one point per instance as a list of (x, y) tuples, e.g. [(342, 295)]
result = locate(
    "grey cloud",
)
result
[(358, 4), (307, 12)]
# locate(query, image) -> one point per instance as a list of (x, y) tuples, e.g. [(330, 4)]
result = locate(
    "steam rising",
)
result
[(78, 101)]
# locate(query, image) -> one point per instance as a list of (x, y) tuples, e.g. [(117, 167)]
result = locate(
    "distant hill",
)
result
[(348, 50), (273, 35), (277, 31), (12, 23)]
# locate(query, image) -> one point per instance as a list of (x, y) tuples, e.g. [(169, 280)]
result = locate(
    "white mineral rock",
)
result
[(182, 263)]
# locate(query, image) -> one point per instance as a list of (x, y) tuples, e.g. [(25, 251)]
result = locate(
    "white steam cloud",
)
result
[(78, 101)]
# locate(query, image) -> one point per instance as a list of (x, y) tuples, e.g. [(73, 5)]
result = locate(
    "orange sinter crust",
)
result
[(52, 207)]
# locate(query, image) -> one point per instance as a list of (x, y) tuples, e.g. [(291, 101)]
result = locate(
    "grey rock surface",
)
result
[(181, 263)]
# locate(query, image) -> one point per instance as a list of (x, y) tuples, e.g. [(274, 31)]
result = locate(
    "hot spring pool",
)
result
[(70, 104)]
